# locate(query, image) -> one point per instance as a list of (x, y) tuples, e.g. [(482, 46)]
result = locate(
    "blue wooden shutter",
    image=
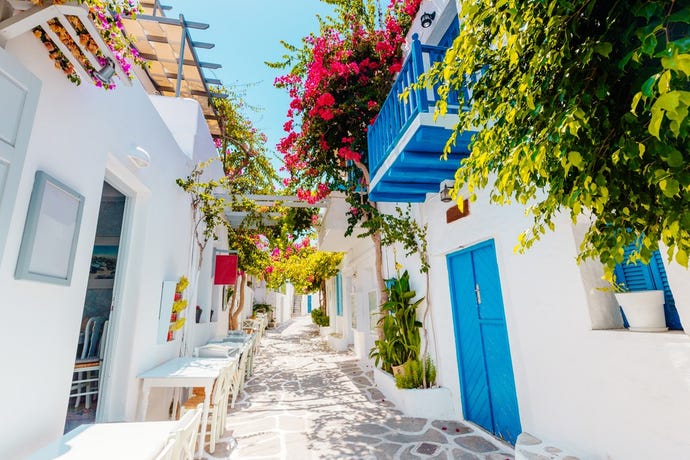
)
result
[(644, 277), (339, 294), (661, 281)]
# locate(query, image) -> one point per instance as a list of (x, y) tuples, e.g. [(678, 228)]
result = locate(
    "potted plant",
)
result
[(644, 310), (418, 373), (401, 340), (320, 318)]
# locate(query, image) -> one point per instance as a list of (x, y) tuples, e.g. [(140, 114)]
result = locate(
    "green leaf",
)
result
[(665, 82), (677, 62), (575, 158), (603, 48), (682, 257), (674, 158), (635, 101), (669, 187), (649, 44), (648, 85), (655, 122)]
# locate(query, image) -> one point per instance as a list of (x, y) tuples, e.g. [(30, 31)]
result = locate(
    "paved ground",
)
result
[(306, 402)]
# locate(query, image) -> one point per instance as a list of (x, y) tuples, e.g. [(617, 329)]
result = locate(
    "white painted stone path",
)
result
[(306, 402)]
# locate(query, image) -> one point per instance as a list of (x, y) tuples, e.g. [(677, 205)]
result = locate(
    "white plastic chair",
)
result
[(186, 434), (168, 450)]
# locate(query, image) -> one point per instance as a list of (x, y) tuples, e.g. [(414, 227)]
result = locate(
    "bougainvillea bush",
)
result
[(337, 82)]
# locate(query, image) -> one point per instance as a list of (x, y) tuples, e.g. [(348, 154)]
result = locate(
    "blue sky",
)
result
[(248, 33)]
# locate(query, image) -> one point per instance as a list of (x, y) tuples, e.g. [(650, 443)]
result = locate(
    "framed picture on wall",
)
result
[(103, 263), (51, 232)]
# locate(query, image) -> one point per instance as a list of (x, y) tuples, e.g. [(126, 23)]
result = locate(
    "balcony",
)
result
[(405, 143)]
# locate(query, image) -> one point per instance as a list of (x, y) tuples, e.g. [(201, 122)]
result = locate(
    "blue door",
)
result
[(486, 370)]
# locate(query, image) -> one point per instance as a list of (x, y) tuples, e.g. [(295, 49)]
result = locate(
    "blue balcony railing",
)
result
[(396, 114)]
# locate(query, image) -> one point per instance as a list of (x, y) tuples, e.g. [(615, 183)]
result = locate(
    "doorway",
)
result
[(487, 384), (95, 325)]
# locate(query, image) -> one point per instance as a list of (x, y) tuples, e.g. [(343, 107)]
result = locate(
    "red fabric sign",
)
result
[(226, 269)]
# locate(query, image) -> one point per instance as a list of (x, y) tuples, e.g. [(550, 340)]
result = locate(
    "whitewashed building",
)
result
[(92, 224), (524, 343)]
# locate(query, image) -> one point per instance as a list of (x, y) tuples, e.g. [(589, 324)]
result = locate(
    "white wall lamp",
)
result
[(446, 193), (139, 157)]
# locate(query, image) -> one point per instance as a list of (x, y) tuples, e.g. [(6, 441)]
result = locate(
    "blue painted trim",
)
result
[(397, 197), (339, 294), (309, 304)]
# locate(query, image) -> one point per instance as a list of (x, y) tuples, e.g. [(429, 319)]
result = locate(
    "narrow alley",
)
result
[(306, 402)]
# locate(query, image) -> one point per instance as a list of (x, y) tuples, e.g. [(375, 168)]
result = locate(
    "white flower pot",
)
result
[(433, 403), (644, 310)]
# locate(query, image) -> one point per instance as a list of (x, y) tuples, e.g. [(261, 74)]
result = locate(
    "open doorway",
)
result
[(95, 324)]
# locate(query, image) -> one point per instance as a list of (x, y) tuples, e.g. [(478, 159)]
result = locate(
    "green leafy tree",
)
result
[(583, 107), (305, 267)]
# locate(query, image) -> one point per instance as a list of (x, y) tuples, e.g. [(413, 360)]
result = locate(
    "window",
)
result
[(651, 276)]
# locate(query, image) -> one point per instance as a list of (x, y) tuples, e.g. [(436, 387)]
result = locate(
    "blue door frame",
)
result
[(487, 383)]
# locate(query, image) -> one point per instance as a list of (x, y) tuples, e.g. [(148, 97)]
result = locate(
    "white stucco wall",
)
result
[(597, 393), (81, 136), (601, 394)]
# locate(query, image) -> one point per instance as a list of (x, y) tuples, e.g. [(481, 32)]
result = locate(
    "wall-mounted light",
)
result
[(427, 19), (445, 193), (139, 157), (106, 73)]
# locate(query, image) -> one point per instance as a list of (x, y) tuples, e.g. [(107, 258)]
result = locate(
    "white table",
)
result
[(230, 348), (109, 441), (184, 373), (241, 339)]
